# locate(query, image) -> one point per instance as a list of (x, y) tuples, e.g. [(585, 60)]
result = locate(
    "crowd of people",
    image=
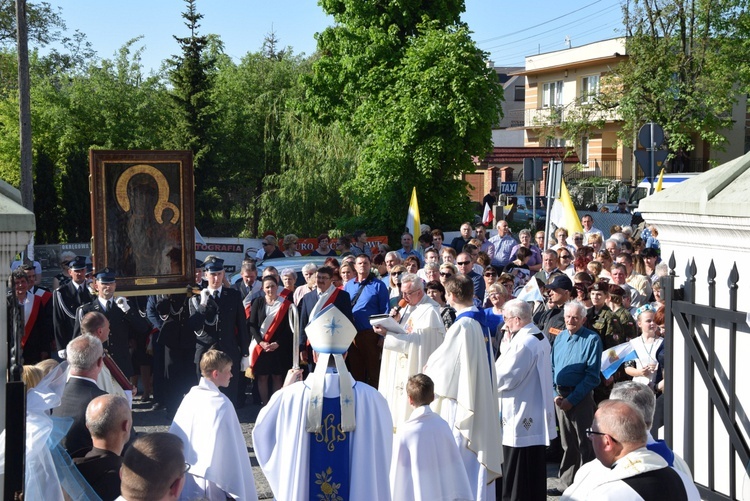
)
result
[(377, 376)]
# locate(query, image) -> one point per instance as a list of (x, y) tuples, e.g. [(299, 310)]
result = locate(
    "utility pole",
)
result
[(27, 182)]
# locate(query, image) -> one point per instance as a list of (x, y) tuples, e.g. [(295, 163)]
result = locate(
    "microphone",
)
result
[(396, 309)]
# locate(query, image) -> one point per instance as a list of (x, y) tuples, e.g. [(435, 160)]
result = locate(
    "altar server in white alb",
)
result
[(527, 411), (424, 452), (463, 371), (215, 448), (329, 436), (404, 354)]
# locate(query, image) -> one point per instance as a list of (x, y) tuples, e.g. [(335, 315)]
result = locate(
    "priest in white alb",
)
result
[(463, 371), (406, 352), (215, 448), (329, 436)]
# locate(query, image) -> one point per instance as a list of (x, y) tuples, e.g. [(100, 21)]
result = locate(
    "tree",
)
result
[(191, 75), (687, 63), (407, 81), (45, 23)]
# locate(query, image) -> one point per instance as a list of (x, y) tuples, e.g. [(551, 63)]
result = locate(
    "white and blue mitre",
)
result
[(330, 334)]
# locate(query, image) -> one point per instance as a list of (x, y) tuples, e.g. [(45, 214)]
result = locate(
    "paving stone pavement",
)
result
[(147, 420)]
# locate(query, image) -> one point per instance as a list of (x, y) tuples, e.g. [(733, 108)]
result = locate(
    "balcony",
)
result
[(546, 117)]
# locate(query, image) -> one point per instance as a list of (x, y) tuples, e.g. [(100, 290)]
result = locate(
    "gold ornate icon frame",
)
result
[(142, 218)]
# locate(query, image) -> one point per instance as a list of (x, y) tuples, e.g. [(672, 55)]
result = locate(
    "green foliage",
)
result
[(44, 23), (191, 75), (106, 105), (687, 62), (406, 79), (581, 190)]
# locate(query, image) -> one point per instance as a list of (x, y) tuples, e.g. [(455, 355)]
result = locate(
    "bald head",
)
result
[(95, 324), (109, 420), (619, 429)]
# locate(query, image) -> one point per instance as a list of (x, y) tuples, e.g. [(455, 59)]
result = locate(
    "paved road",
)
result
[(147, 420)]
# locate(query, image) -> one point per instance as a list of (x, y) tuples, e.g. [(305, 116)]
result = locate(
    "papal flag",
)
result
[(614, 357), (563, 213), (412, 217), (660, 182)]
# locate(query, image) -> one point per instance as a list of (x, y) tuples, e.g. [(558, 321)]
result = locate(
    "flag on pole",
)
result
[(614, 357), (563, 213), (488, 216), (660, 181), (412, 217)]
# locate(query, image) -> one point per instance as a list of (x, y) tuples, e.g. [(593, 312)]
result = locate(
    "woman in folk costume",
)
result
[(270, 326)]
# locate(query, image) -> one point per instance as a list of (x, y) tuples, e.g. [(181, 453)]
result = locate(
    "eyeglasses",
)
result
[(448, 275), (187, 468), (578, 239), (407, 294), (463, 263), (565, 256), (265, 243), (490, 274), (590, 432)]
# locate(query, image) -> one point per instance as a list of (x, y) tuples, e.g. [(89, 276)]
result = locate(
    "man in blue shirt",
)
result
[(576, 362), (369, 297), (407, 248)]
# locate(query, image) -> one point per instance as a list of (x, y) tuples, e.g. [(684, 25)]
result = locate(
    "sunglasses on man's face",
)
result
[(463, 263), (446, 275), (490, 274)]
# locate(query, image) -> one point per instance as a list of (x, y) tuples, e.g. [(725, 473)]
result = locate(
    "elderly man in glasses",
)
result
[(406, 352), (624, 467)]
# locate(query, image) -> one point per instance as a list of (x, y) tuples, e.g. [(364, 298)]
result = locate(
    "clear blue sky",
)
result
[(508, 30)]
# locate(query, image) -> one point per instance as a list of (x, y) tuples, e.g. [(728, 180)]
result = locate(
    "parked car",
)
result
[(524, 212)]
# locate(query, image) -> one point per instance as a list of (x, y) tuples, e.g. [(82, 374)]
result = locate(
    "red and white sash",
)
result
[(270, 325)]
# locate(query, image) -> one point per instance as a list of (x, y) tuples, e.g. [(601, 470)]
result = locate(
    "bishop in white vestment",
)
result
[(328, 436), (405, 354)]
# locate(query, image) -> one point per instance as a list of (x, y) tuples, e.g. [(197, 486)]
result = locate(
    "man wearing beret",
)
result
[(616, 295), (217, 316), (599, 318), (125, 323), (65, 301)]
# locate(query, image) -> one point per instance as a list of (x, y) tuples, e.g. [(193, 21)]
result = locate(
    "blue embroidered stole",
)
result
[(479, 317), (329, 456)]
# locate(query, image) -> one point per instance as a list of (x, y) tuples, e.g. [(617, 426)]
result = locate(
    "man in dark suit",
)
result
[(217, 316), (249, 283), (125, 323), (36, 337), (314, 301), (109, 420), (66, 300), (85, 358)]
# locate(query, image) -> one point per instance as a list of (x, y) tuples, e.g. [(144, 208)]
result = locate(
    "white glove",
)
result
[(245, 363), (61, 354), (122, 303), (205, 294)]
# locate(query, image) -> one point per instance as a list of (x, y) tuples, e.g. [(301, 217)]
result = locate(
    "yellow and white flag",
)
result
[(563, 212), (660, 182), (412, 217)]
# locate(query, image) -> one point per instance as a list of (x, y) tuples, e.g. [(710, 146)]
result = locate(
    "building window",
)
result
[(552, 94), (584, 155), (555, 142), (520, 93), (589, 88)]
